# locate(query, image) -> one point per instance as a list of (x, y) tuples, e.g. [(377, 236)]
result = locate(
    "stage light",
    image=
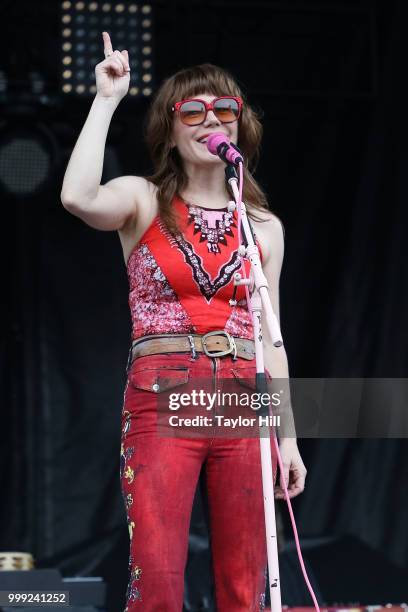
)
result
[(82, 46), (27, 155)]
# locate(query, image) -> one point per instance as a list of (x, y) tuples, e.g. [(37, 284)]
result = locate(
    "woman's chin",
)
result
[(210, 159)]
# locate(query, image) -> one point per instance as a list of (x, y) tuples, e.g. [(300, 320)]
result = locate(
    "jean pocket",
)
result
[(246, 376), (159, 378)]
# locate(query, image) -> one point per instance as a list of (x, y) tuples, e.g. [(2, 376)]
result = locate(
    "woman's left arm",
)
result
[(276, 363)]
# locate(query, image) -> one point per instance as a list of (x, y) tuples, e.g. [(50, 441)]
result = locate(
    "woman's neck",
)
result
[(206, 186)]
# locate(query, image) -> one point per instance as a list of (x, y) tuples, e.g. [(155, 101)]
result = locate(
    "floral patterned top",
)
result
[(183, 284)]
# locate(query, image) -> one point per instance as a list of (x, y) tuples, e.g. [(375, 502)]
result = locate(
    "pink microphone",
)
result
[(219, 144)]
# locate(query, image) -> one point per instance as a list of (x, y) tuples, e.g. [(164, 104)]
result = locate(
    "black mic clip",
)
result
[(230, 172), (222, 152)]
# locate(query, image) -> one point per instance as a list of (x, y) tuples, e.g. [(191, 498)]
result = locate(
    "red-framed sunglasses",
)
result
[(194, 111)]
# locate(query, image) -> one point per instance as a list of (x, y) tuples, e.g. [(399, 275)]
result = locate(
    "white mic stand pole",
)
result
[(260, 300)]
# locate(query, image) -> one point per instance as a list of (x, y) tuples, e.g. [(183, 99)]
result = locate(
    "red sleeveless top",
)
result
[(183, 284)]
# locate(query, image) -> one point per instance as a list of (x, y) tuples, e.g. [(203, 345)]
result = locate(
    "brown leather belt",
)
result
[(213, 344)]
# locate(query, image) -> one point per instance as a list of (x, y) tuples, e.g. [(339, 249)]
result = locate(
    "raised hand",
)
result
[(113, 73)]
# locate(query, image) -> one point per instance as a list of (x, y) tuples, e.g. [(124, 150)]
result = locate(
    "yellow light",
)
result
[(66, 46), (120, 8), (146, 23), (146, 50), (146, 91), (67, 60), (134, 91), (106, 7), (93, 6), (133, 8), (147, 64), (92, 89), (80, 6), (66, 5), (66, 18), (146, 36), (67, 87), (147, 78), (80, 88), (146, 8), (66, 32), (67, 74)]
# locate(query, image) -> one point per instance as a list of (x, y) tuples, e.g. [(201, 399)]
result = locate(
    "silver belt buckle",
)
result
[(231, 349)]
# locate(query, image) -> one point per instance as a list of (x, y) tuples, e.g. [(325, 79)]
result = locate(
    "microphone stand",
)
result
[(256, 302)]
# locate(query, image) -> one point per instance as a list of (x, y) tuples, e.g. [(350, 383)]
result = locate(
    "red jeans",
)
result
[(159, 477)]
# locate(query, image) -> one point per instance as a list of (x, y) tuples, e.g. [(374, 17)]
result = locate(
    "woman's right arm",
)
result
[(110, 206)]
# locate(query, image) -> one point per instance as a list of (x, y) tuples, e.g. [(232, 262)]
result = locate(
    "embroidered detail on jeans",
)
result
[(136, 573), (131, 526), (125, 455), (129, 452), (126, 424), (129, 474), (129, 500), (133, 593)]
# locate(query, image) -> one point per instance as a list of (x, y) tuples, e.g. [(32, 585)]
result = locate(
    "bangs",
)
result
[(197, 80)]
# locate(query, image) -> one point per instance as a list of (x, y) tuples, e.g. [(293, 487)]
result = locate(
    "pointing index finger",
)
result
[(107, 45)]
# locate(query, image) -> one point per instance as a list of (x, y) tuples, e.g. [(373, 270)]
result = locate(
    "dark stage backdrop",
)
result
[(331, 83)]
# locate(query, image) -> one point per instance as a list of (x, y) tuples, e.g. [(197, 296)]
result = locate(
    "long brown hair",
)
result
[(169, 175)]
